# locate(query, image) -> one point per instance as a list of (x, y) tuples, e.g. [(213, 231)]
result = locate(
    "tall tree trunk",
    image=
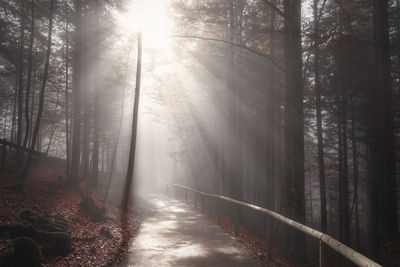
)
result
[(28, 83), (383, 199), (132, 152), (114, 152), (54, 122), (32, 106), (344, 225), (355, 175), (293, 202), (86, 135), (341, 86), (310, 183), (77, 83), (96, 140), (231, 105), (271, 124), (96, 83), (67, 136), (102, 157), (41, 96), (321, 161), (398, 54), (87, 96), (20, 81), (14, 112)]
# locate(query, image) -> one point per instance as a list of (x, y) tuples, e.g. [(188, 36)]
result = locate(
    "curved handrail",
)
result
[(352, 255)]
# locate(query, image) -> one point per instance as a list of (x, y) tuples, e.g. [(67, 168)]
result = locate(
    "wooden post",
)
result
[(195, 200), (209, 206), (202, 202), (269, 241), (186, 195), (219, 210), (321, 254), (236, 220), (330, 257)]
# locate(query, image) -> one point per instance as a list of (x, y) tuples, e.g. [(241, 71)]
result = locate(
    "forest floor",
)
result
[(45, 189)]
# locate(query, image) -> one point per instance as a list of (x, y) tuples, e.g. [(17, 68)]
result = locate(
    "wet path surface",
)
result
[(174, 234)]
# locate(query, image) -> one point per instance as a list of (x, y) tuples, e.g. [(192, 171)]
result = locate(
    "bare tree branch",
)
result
[(233, 44)]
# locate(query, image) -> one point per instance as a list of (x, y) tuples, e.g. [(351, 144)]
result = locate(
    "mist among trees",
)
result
[(291, 106)]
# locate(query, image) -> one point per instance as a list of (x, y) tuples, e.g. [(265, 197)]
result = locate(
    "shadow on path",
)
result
[(175, 234)]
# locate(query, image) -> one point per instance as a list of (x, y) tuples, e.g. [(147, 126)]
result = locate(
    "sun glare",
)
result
[(151, 17)]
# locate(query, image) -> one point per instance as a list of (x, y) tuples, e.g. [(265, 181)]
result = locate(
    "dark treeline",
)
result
[(292, 106)]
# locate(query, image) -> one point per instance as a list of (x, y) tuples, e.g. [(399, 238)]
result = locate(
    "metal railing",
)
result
[(325, 241)]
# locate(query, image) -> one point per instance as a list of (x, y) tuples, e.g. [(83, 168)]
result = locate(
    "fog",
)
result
[(292, 106)]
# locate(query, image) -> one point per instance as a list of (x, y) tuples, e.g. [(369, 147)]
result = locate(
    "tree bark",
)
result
[(32, 106), (41, 96), (86, 93), (271, 125), (344, 225), (114, 152), (320, 140), (77, 83), (53, 124), (355, 175), (383, 198), (67, 136), (293, 202), (14, 113), (96, 83), (28, 83), (20, 81), (132, 152), (341, 87)]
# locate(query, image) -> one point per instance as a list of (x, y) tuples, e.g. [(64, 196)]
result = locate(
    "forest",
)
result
[(276, 120)]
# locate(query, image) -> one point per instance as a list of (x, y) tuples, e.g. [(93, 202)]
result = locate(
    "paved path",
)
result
[(174, 234)]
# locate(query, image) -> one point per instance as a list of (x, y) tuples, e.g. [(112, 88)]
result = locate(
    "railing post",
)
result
[(195, 200), (322, 254), (269, 241), (166, 185), (236, 220), (219, 203), (202, 202), (186, 195), (209, 206)]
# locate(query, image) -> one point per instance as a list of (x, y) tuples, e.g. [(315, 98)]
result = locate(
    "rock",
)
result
[(105, 232), (18, 188), (25, 214), (54, 243), (6, 258), (16, 230), (96, 214), (26, 252)]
